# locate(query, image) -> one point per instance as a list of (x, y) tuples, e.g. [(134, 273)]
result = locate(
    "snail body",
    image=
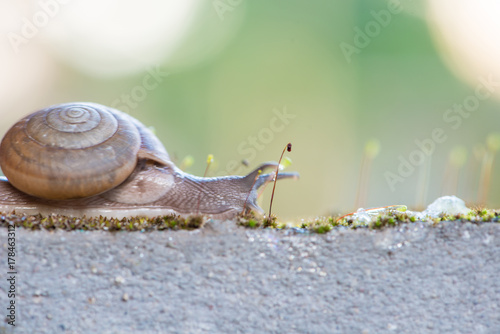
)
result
[(83, 158)]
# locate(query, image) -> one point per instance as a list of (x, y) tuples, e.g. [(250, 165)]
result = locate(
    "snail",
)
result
[(82, 158)]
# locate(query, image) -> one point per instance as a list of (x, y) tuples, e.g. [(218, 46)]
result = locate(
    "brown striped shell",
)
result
[(54, 152)]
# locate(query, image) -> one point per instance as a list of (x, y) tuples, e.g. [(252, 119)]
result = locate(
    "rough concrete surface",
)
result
[(222, 278)]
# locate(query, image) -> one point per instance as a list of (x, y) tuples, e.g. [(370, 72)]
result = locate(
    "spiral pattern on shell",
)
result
[(70, 150)]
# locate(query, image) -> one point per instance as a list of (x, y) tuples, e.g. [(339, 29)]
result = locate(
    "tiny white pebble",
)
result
[(119, 280)]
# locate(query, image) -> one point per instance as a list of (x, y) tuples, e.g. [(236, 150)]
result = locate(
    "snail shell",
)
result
[(85, 158), (53, 153)]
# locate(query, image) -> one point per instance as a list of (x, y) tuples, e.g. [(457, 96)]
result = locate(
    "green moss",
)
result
[(270, 221), (321, 229), (395, 218), (320, 225), (52, 222), (249, 220), (390, 219), (252, 223)]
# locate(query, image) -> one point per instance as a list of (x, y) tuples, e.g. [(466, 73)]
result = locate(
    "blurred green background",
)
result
[(213, 76)]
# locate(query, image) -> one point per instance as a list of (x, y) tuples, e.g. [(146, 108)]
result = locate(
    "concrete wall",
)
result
[(228, 279)]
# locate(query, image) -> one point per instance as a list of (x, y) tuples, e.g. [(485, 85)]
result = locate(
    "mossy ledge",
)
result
[(173, 222), (52, 222), (385, 220)]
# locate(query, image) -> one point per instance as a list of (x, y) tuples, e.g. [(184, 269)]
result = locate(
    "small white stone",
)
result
[(119, 280)]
